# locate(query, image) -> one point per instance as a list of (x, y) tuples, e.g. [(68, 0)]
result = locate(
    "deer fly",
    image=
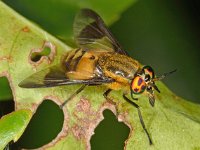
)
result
[(99, 60)]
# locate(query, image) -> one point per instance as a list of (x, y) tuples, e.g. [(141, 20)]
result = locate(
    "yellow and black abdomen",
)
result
[(82, 65)]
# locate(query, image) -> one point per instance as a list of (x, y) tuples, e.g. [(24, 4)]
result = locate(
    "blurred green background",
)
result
[(162, 33)]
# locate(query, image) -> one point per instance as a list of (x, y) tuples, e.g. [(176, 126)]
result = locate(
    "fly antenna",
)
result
[(164, 75)]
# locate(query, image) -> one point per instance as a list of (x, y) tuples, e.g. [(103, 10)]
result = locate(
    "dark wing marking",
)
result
[(55, 76), (91, 32)]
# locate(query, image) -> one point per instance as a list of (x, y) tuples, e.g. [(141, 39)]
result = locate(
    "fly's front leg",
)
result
[(140, 117), (132, 96)]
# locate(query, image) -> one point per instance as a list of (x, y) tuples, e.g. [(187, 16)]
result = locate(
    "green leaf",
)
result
[(13, 125), (173, 123)]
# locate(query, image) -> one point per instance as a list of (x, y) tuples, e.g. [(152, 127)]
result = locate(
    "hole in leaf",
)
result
[(110, 134), (44, 126), (6, 97), (36, 56), (5, 90)]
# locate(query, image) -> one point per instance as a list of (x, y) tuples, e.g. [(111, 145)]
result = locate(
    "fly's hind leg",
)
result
[(140, 117), (73, 95)]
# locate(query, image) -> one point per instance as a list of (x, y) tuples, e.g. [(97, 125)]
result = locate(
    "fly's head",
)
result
[(144, 80)]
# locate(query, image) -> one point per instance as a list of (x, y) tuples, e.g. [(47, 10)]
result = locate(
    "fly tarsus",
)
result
[(140, 117)]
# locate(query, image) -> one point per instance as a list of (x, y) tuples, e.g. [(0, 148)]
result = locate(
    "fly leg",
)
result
[(73, 95), (105, 94), (140, 116), (132, 96)]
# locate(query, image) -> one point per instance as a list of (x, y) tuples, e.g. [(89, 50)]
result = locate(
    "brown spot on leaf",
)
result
[(83, 105), (85, 117), (25, 29), (6, 58), (88, 119)]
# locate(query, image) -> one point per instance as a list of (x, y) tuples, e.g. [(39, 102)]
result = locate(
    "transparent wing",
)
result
[(56, 76), (91, 32)]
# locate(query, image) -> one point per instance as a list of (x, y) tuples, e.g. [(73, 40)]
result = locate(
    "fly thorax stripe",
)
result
[(118, 69), (121, 65), (126, 62)]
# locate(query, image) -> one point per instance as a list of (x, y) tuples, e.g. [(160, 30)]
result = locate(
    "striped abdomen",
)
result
[(81, 64)]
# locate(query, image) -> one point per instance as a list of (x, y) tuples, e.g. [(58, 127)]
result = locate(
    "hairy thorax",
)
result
[(119, 67)]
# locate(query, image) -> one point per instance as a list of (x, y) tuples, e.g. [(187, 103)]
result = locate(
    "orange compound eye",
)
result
[(148, 71), (138, 85)]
